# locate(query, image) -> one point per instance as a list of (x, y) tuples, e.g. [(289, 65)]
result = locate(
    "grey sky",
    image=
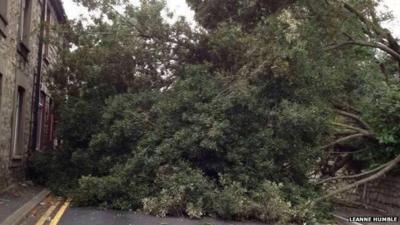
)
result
[(394, 7), (180, 8)]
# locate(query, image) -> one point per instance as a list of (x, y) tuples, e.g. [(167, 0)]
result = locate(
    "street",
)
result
[(84, 216), (31, 205), (58, 211)]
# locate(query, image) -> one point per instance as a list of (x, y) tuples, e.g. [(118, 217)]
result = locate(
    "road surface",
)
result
[(86, 216), (57, 211)]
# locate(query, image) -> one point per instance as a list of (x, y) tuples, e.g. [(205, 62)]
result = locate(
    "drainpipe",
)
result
[(37, 82)]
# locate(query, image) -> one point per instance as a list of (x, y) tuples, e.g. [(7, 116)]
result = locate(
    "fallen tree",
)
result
[(366, 140)]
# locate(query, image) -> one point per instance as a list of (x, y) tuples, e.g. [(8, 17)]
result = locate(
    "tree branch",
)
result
[(343, 139), (384, 72), (355, 117), (373, 25), (345, 107), (360, 130), (389, 166), (377, 45), (374, 30), (143, 34), (353, 176), (363, 19), (353, 152)]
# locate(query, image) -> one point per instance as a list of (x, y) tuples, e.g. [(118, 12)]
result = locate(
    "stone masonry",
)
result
[(17, 72), (382, 194)]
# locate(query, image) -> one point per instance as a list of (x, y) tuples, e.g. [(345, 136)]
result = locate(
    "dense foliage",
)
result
[(230, 119)]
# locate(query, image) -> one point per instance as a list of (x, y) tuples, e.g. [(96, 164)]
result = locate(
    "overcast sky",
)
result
[(180, 8)]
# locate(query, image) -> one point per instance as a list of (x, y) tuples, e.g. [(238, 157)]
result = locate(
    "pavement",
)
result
[(15, 198)]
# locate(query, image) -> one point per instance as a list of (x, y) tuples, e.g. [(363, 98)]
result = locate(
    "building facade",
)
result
[(29, 43)]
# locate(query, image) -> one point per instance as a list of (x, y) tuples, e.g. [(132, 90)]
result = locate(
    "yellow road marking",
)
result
[(47, 214), (60, 213)]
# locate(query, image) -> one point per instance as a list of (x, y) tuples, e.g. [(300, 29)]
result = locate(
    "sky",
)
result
[(394, 7), (180, 8)]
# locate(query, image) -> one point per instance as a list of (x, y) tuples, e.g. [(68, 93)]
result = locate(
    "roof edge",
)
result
[(59, 8)]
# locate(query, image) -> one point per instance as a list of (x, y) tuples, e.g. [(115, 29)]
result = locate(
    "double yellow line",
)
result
[(57, 217)]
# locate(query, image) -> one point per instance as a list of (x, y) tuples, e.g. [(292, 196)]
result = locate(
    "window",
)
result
[(18, 123), (3, 16), (3, 9), (41, 121), (47, 31), (45, 130), (25, 21), (25, 27)]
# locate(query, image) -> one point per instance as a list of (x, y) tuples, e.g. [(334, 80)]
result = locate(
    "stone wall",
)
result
[(382, 194), (17, 71)]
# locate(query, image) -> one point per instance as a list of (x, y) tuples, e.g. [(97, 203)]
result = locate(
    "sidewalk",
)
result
[(15, 198)]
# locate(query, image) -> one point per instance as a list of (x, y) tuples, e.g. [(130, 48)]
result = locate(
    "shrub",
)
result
[(265, 203), (269, 204), (232, 201), (184, 191)]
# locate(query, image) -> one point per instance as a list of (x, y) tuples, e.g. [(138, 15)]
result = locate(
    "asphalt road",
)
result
[(88, 216)]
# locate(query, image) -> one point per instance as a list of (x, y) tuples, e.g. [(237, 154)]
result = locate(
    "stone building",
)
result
[(29, 44)]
